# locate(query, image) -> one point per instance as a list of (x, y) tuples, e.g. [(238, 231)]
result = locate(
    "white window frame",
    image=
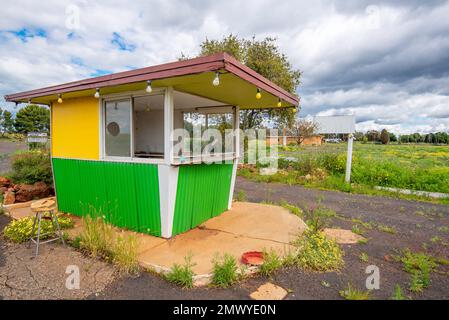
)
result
[(122, 97), (168, 158)]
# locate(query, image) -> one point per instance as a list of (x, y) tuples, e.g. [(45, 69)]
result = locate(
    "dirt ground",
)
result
[(417, 225), (22, 276), (7, 148)]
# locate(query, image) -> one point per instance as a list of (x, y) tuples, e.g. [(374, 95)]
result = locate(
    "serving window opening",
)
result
[(134, 128)]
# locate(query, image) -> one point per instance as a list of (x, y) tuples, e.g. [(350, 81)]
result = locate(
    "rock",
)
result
[(342, 236), (9, 198), (4, 182), (269, 291), (28, 192)]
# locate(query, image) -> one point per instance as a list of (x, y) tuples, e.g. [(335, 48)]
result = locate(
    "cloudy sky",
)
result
[(385, 61)]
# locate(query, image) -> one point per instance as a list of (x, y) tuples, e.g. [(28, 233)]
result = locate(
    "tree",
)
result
[(384, 136), (1, 120), (6, 121), (302, 129), (358, 136), (32, 118), (263, 57), (393, 137)]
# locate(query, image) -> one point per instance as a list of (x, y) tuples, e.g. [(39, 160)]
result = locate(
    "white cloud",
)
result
[(387, 63)]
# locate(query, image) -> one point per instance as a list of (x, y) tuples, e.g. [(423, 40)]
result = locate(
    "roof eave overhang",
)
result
[(216, 62)]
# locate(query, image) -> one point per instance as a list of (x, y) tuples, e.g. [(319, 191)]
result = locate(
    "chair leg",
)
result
[(54, 219), (38, 233), (33, 230)]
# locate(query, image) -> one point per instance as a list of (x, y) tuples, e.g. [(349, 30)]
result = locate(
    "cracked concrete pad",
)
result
[(269, 291), (246, 227), (342, 236), (203, 245), (257, 220), (22, 276)]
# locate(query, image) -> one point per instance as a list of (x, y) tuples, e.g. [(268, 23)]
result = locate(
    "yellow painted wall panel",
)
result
[(75, 128)]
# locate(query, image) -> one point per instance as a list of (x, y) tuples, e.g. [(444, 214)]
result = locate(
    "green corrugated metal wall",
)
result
[(126, 193), (202, 193)]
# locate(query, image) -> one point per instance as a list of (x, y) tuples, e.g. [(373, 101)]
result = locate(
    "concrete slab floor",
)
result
[(246, 227)]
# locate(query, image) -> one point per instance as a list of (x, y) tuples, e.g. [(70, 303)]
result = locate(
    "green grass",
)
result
[(419, 265), (100, 239), (318, 253), (182, 275), (398, 295), (224, 272), (351, 293), (386, 229), (125, 254), (271, 263), (363, 256), (414, 167), (292, 208)]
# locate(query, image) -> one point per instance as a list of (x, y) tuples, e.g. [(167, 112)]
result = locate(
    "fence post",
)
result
[(349, 158)]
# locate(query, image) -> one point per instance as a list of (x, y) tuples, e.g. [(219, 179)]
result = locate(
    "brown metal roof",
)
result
[(219, 61)]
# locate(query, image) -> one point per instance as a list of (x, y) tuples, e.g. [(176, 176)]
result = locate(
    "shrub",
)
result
[(271, 263), (318, 253), (20, 230), (292, 208), (224, 271), (420, 265), (363, 257), (318, 218), (241, 195), (99, 239), (97, 236), (356, 229), (386, 229), (182, 275), (125, 254), (31, 167), (351, 293), (398, 295)]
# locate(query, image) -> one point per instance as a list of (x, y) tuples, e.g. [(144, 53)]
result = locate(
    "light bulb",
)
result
[(258, 94), (279, 103), (216, 81), (149, 89), (59, 98), (97, 93)]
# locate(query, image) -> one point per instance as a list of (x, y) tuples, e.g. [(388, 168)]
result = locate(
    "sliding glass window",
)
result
[(117, 128)]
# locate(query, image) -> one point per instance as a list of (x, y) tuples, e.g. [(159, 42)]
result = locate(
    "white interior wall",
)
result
[(149, 131)]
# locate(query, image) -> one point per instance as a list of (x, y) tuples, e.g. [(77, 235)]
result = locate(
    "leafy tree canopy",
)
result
[(32, 118), (265, 58), (6, 121)]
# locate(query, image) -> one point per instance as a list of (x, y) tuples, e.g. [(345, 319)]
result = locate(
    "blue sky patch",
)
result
[(77, 60), (100, 72), (24, 34), (120, 42)]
